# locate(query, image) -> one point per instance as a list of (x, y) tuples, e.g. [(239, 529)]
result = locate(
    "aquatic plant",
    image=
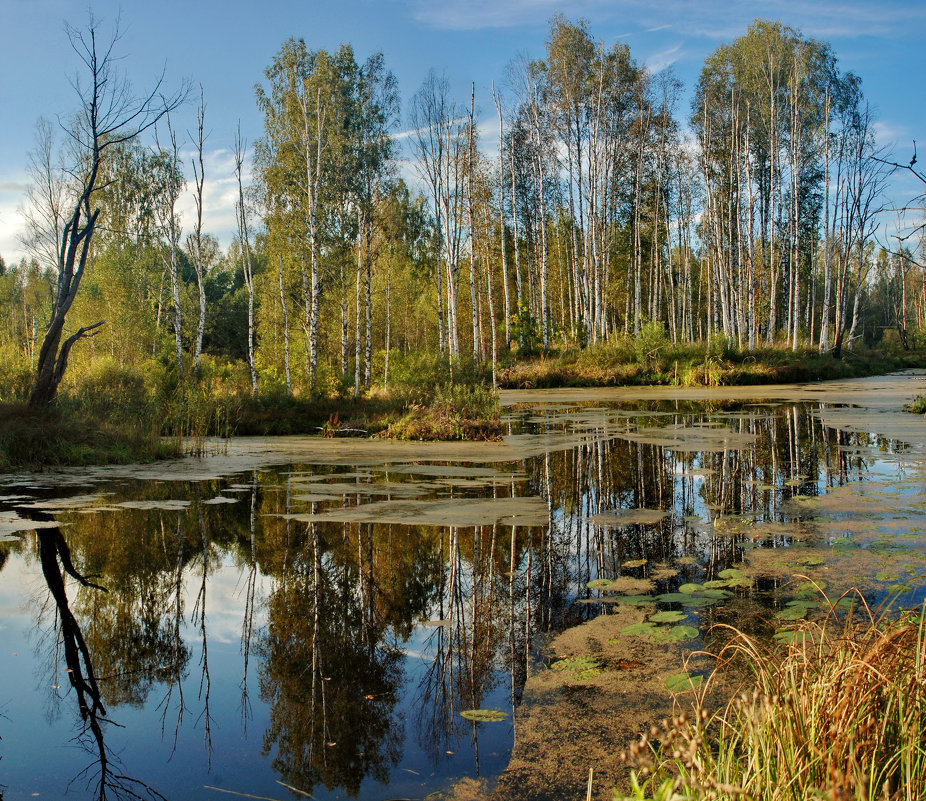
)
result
[(837, 711)]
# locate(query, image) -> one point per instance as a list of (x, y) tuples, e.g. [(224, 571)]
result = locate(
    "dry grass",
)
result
[(838, 714)]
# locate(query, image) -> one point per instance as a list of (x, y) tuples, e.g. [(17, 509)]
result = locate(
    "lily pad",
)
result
[(687, 560), (697, 601), (667, 617), (599, 583), (675, 634), (789, 636), (715, 584), (683, 682), (484, 715), (638, 630), (689, 589), (582, 668), (808, 590), (635, 563), (796, 612), (731, 573)]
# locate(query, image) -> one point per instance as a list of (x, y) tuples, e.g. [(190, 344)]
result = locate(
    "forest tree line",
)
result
[(603, 209)]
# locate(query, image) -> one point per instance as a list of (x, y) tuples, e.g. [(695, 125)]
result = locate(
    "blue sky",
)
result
[(226, 45)]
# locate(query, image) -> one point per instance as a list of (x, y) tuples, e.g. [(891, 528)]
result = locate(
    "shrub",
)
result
[(649, 342), (17, 374), (721, 346)]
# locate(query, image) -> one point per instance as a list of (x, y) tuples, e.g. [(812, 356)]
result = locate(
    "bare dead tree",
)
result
[(917, 205), (109, 114)]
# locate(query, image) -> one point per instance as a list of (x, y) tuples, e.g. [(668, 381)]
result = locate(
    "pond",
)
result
[(301, 618)]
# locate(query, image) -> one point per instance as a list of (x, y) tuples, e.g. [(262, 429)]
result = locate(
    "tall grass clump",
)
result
[(107, 413), (440, 402), (839, 714)]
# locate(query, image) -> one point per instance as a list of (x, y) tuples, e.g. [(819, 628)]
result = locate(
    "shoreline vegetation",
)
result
[(835, 709), (111, 414)]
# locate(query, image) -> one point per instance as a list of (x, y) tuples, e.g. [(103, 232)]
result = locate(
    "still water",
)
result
[(320, 628)]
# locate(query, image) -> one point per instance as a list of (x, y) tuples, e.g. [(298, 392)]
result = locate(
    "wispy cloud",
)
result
[(890, 135), (479, 14), (658, 61)]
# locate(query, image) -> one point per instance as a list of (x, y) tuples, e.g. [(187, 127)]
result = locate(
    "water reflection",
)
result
[(104, 772), (358, 642)]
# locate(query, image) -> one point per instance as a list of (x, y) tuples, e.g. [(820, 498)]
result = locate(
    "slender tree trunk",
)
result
[(501, 220), (199, 176), (289, 390), (240, 147)]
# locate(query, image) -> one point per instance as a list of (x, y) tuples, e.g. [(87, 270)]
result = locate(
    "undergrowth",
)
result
[(839, 714), (106, 412), (652, 359)]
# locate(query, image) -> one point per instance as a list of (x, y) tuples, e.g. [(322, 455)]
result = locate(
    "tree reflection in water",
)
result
[(328, 674), (55, 557)]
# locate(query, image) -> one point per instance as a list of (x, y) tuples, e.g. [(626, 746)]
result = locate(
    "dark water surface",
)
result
[(322, 627)]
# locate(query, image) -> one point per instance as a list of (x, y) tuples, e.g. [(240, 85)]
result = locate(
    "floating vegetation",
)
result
[(220, 499), (598, 584), (636, 600), (731, 573), (788, 636), (662, 573), (484, 715), (579, 668), (638, 629), (675, 634), (629, 517), (846, 692), (634, 563), (812, 561), (683, 682), (796, 610), (689, 599), (667, 617)]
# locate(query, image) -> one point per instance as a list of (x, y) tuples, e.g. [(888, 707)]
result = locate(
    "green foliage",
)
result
[(18, 376), (721, 346), (649, 343), (105, 414), (525, 330), (615, 363)]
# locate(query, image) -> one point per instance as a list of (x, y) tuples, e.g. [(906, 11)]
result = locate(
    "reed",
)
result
[(839, 713)]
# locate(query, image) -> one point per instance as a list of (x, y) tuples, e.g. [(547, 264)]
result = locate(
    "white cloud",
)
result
[(891, 136), (12, 195), (660, 60), (220, 193), (19, 187)]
